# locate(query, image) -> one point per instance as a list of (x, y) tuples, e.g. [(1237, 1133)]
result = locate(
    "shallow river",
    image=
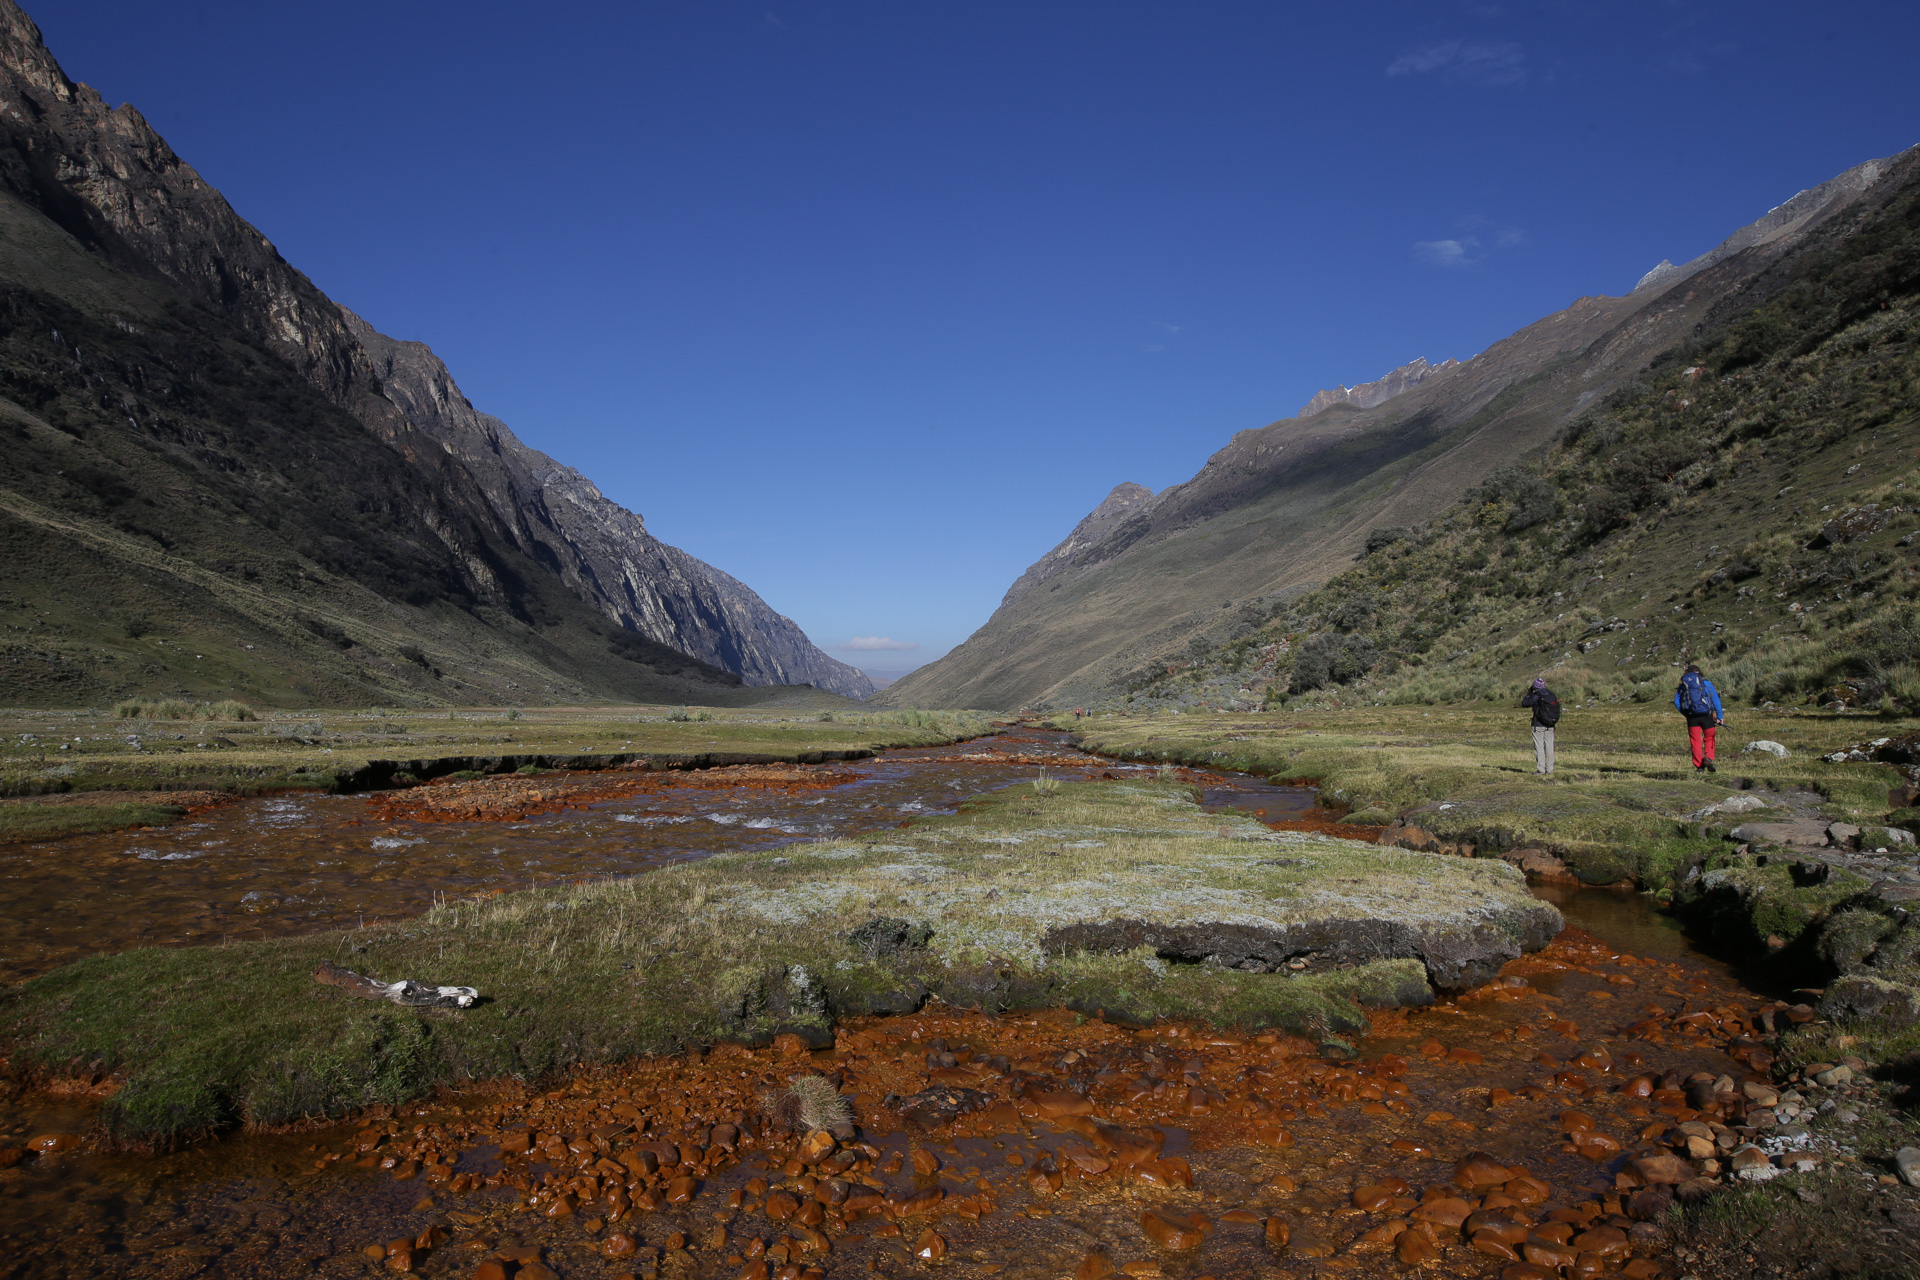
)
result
[(1080, 1132)]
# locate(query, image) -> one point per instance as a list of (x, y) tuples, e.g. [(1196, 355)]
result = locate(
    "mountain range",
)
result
[(219, 482), (1150, 584)]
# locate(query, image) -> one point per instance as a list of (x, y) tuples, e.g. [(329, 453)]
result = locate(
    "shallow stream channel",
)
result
[(1532, 1127)]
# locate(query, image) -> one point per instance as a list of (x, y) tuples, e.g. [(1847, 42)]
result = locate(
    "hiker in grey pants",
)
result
[(1546, 714)]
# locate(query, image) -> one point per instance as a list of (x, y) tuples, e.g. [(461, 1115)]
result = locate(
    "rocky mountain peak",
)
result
[(108, 180), (1368, 394), (1126, 499), (1784, 219)]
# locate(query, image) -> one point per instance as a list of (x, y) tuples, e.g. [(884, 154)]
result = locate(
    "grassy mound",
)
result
[(975, 909)]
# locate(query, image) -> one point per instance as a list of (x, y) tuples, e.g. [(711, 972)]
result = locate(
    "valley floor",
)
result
[(77, 771)]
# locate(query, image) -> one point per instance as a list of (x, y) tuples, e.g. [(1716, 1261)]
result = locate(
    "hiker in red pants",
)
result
[(1699, 702)]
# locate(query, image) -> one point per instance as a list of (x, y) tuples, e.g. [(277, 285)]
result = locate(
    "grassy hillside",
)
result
[(181, 514), (1283, 510), (1749, 503)]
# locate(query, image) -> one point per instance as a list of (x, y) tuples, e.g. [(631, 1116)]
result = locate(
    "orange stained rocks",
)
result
[(1078, 1117), (1176, 1234)]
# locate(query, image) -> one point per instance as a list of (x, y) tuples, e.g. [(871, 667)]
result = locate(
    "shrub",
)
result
[(1382, 538), (181, 709), (1332, 659), (678, 714)]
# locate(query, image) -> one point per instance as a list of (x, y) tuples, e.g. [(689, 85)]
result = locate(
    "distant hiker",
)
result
[(1546, 714), (1699, 702)]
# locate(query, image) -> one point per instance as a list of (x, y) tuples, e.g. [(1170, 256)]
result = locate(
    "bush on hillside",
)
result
[(1522, 499), (1322, 660)]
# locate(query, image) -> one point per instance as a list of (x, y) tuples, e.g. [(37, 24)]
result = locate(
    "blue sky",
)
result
[(868, 303)]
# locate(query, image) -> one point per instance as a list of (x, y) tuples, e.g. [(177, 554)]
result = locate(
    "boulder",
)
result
[(1741, 803), (1770, 747), (1801, 833), (1865, 997), (1906, 1162)]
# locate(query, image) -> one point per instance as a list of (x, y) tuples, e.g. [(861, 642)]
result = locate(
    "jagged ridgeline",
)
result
[(1620, 482), (1750, 501), (216, 482)]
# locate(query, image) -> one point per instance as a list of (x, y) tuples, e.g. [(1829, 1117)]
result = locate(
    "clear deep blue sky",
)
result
[(868, 302)]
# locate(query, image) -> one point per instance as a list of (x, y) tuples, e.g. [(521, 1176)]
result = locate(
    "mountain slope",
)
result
[(407, 498), (1751, 503), (1282, 509), (601, 550)]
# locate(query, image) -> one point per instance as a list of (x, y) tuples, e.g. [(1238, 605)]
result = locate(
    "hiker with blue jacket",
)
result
[(1546, 714), (1699, 702)]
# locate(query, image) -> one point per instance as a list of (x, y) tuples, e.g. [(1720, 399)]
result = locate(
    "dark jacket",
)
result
[(1537, 699)]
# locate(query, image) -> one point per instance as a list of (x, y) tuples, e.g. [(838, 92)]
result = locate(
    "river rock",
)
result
[(1658, 1170), (1171, 1233)]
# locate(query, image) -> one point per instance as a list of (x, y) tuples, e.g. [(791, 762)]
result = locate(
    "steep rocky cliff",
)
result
[(601, 550), (491, 523), (1281, 509)]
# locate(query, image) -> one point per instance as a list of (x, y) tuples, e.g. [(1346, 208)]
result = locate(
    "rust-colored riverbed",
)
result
[(1519, 1130), (302, 862)]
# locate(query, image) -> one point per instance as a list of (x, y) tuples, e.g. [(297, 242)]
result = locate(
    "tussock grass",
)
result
[(1616, 809), (181, 709), (738, 946)]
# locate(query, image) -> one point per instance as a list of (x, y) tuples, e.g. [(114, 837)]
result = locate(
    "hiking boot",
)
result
[(1708, 766)]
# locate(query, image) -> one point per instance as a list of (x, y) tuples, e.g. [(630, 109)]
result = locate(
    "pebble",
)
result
[(52, 1144), (1172, 1233)]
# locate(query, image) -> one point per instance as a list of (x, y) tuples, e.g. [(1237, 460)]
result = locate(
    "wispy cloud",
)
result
[(869, 644), (1169, 332), (1446, 253), (1464, 62), (1477, 237)]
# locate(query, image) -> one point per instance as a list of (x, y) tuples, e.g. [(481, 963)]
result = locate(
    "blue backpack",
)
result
[(1693, 695)]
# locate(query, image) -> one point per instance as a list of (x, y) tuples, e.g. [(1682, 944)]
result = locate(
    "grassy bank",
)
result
[(977, 909), (91, 758), (1616, 808), (1620, 806)]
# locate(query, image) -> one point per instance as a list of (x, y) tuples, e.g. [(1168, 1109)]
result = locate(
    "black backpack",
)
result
[(1547, 710)]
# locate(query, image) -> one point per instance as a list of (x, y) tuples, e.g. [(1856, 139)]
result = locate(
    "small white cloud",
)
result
[(1461, 62), (1445, 253), (866, 644)]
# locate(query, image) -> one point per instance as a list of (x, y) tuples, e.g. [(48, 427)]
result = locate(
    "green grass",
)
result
[(44, 752), (1617, 806), (39, 821), (712, 950)]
